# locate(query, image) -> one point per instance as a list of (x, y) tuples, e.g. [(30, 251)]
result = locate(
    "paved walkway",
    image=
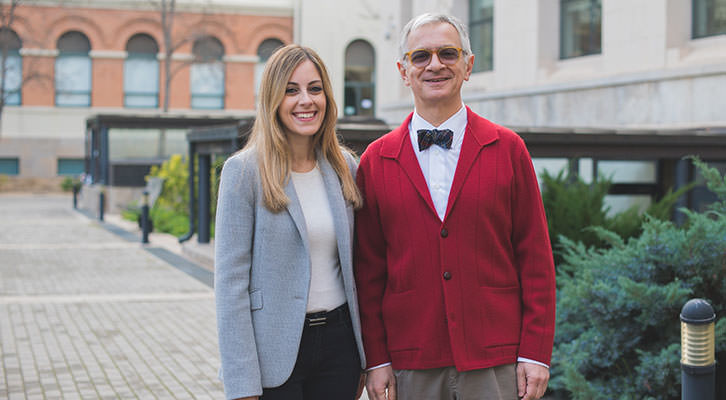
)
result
[(87, 314)]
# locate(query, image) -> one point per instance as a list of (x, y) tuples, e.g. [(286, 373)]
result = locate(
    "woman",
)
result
[(286, 300)]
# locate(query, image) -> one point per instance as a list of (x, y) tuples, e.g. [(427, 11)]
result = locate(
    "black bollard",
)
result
[(204, 190), (698, 364), (76, 189), (101, 203), (145, 218)]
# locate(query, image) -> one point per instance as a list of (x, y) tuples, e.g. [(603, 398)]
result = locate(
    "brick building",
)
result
[(67, 60)]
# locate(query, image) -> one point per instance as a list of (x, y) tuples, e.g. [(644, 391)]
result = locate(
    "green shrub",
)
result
[(618, 331), (68, 182), (629, 223), (715, 183), (175, 194), (131, 214), (169, 221), (571, 206), (576, 209), (170, 213)]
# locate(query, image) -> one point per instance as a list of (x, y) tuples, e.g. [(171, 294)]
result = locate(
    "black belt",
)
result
[(326, 317)]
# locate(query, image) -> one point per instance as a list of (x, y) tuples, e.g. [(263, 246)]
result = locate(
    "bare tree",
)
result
[(172, 41), (11, 67), (8, 42), (167, 11)]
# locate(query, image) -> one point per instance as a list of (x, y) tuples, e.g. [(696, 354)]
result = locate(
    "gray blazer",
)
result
[(262, 275)]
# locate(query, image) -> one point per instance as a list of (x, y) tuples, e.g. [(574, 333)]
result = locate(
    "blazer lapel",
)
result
[(479, 133), (399, 148), (295, 210), (338, 209)]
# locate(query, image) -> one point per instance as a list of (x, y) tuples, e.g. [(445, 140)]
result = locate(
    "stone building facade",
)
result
[(611, 67)]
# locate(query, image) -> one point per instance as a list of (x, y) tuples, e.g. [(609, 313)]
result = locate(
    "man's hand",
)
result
[(378, 381), (531, 380)]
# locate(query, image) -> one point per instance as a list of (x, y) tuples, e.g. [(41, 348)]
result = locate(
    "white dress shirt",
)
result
[(438, 164)]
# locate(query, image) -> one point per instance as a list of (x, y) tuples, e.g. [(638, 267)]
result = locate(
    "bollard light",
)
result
[(698, 364)]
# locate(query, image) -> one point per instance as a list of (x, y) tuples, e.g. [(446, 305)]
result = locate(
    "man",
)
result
[(453, 262)]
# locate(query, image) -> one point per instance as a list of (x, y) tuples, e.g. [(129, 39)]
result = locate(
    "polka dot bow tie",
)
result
[(439, 137)]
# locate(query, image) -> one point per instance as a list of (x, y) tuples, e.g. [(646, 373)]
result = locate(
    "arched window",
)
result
[(12, 66), (360, 86), (207, 74), (141, 72), (73, 71), (264, 51)]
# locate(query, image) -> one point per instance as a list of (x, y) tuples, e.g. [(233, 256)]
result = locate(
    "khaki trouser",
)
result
[(496, 383)]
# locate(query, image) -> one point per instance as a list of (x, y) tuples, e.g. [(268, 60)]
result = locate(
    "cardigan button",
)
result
[(447, 275), (444, 233)]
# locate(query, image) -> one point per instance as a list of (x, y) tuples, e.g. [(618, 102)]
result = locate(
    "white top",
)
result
[(326, 282), (437, 164)]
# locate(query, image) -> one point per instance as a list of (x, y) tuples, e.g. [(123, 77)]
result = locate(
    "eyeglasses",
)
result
[(422, 57)]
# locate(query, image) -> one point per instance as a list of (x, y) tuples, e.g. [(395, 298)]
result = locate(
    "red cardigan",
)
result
[(475, 291)]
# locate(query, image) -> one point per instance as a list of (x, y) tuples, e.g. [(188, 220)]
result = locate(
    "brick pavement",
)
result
[(85, 314)]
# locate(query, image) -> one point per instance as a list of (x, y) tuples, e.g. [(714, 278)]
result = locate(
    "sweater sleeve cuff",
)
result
[(527, 360), (378, 366)]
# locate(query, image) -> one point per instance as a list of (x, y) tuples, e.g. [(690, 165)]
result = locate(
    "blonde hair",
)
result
[(268, 137)]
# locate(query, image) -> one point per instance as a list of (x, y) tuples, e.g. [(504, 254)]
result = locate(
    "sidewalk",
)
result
[(199, 253), (86, 314)]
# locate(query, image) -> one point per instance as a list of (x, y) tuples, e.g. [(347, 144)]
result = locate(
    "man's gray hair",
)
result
[(429, 18)]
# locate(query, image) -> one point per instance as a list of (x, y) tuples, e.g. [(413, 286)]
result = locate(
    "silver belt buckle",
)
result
[(317, 321)]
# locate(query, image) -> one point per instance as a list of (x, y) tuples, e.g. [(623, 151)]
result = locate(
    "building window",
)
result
[(481, 30), (73, 71), (70, 166), (580, 28), (207, 74), (709, 18), (634, 183), (11, 67), (141, 72), (9, 166), (264, 51), (360, 86)]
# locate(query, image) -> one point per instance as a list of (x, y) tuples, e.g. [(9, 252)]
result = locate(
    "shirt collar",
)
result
[(457, 124)]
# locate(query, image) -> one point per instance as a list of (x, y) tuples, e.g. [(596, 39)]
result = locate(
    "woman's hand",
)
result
[(361, 385)]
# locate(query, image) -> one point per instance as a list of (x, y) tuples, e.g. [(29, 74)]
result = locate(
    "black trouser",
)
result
[(328, 364)]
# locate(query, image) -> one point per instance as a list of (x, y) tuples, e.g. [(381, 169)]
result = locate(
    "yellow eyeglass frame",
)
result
[(459, 52)]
